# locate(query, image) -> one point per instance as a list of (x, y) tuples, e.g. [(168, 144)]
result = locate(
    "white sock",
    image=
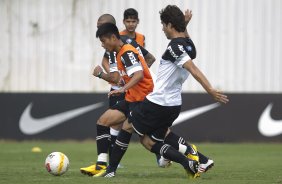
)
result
[(102, 157), (114, 132), (182, 148)]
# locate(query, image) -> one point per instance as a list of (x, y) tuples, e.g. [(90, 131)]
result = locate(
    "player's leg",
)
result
[(153, 119), (111, 117), (116, 128), (121, 144), (181, 145), (118, 150), (169, 152), (114, 133), (189, 150)]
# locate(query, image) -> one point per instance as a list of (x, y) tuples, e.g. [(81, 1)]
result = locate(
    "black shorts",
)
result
[(114, 99), (124, 106), (153, 119)]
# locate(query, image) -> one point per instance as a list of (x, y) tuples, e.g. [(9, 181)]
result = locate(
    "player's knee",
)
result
[(127, 127), (147, 142), (103, 121), (142, 141)]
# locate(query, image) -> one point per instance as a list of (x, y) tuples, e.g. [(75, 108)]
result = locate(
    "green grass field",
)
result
[(234, 163)]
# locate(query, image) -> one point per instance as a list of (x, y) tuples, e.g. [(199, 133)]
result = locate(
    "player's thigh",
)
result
[(111, 117)]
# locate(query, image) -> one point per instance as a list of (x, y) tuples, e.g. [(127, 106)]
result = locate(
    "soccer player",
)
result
[(178, 142), (107, 18), (130, 21), (134, 70), (152, 118), (112, 118), (109, 59)]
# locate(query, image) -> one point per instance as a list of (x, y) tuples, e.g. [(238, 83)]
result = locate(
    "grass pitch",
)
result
[(234, 163)]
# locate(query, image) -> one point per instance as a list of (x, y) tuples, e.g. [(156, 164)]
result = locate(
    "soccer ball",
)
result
[(57, 163)]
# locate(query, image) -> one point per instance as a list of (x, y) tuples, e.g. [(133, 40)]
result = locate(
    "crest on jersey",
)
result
[(189, 48), (128, 41)]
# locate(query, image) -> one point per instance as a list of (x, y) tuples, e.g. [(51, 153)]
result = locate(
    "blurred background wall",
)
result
[(50, 45)]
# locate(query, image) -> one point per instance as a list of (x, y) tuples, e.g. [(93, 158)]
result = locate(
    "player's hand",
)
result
[(188, 16), (97, 70), (116, 92), (219, 96), (121, 82)]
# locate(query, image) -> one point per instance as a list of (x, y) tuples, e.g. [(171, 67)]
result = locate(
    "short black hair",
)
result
[(107, 29), (172, 14), (108, 18), (130, 13)]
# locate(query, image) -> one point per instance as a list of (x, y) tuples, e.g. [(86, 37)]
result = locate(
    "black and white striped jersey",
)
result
[(171, 75)]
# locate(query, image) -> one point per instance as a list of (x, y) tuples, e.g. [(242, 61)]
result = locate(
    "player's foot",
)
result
[(92, 169), (193, 155), (106, 173), (163, 162), (192, 171), (204, 167)]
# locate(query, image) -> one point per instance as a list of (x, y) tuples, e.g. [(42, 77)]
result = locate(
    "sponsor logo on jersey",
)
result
[(172, 52), (132, 57), (180, 47)]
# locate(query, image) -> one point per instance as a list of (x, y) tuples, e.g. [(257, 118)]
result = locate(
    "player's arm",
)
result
[(134, 70), (188, 16), (106, 64), (110, 66), (201, 78), (150, 59), (136, 77), (112, 77)]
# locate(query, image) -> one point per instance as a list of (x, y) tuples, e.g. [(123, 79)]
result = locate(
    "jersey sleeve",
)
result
[(131, 62), (176, 53), (142, 50), (183, 56), (106, 54), (113, 62)]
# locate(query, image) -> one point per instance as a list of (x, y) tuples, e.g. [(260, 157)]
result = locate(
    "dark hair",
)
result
[(172, 14), (130, 13), (107, 29)]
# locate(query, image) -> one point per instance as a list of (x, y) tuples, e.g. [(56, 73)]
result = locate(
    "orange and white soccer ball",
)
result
[(57, 163)]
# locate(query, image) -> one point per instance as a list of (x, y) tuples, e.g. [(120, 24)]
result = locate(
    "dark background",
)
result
[(234, 122)]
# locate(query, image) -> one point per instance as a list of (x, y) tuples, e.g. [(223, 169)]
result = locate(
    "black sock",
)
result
[(202, 158), (119, 149), (102, 141), (170, 153), (174, 140), (113, 140), (158, 156)]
